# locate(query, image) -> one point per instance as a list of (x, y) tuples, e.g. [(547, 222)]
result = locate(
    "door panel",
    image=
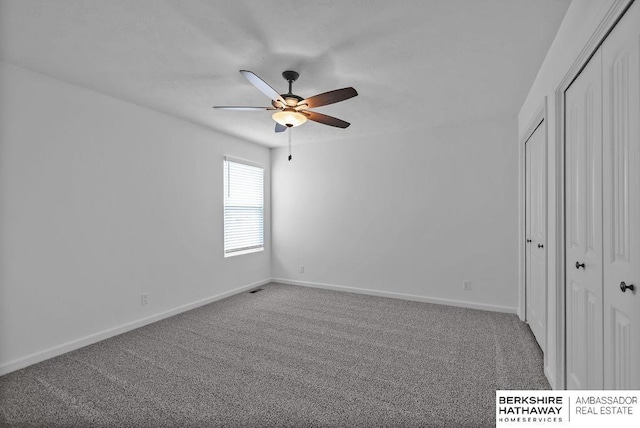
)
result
[(536, 274), (621, 214), (584, 228)]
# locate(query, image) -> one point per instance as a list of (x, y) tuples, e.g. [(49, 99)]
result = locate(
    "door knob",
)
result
[(579, 265), (624, 287), (528, 240), (540, 246)]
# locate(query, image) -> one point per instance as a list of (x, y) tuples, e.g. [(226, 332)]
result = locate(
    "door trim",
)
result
[(608, 22)]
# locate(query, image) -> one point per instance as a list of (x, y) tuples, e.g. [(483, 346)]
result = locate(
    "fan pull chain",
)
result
[(289, 130)]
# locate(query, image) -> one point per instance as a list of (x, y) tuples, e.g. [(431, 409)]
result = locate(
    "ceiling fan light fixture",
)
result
[(289, 117)]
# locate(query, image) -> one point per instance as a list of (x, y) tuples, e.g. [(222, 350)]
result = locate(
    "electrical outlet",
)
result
[(466, 285), (301, 268), (144, 298)]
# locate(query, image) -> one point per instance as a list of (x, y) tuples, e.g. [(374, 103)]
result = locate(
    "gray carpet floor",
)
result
[(288, 357)]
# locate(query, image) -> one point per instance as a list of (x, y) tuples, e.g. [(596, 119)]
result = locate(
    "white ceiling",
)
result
[(414, 63)]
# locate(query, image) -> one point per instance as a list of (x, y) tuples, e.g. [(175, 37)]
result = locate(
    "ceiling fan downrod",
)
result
[(290, 76)]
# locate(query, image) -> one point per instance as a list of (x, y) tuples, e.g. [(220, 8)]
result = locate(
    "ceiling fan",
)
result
[(292, 110)]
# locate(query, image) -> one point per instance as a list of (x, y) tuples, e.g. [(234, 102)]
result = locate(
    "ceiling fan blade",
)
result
[(262, 86), (325, 120), (329, 97), (280, 128), (246, 108)]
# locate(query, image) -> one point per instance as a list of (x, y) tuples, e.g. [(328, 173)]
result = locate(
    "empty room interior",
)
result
[(328, 213)]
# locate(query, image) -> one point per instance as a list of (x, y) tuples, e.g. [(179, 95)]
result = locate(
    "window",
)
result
[(243, 207)]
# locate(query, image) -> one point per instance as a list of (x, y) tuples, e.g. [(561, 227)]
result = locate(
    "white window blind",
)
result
[(243, 208)]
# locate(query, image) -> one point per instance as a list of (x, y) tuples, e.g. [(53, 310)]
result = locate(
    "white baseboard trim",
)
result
[(69, 346), (402, 296)]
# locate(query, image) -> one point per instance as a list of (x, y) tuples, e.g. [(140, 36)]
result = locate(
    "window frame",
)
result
[(232, 252)]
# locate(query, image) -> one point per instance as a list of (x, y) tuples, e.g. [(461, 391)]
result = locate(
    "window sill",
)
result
[(239, 253)]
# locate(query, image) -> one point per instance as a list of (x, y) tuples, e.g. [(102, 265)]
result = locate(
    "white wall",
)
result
[(415, 214), (581, 22), (101, 201)]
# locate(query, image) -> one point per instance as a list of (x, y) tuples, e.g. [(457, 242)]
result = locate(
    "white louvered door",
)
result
[(621, 180)]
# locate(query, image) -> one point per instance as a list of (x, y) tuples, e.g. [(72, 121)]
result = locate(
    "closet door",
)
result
[(621, 178), (536, 227), (527, 226), (583, 181)]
